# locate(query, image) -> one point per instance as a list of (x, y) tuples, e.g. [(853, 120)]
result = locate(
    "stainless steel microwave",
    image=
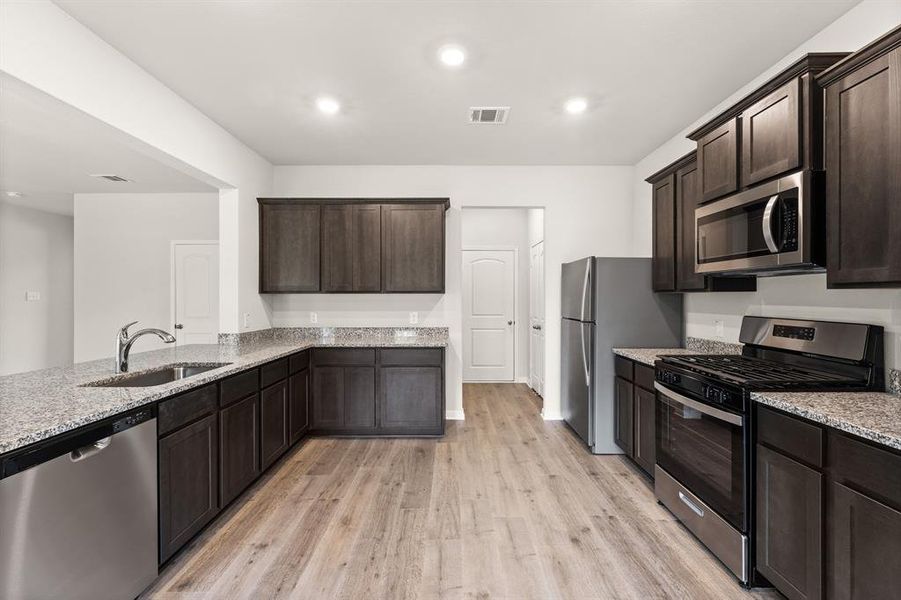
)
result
[(773, 228)]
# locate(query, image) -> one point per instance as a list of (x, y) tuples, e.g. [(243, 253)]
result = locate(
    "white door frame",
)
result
[(543, 336), (172, 245), (515, 250)]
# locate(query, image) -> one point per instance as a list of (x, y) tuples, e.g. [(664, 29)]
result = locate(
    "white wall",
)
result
[(35, 256), (123, 262), (41, 45), (506, 228), (789, 296), (585, 212)]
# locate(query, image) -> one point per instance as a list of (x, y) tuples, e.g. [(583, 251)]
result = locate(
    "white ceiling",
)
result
[(48, 151), (649, 68)]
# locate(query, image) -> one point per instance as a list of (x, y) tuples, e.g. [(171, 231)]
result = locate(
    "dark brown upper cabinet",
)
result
[(863, 166), (771, 135), (413, 248), (675, 195), (664, 234), (351, 248), (289, 247), (718, 161), (367, 245), (774, 130)]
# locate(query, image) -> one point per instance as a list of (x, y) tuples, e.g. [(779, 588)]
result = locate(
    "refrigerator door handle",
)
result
[(585, 288), (585, 356)]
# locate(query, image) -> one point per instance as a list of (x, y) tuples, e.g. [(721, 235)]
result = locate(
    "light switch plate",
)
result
[(246, 320), (314, 318), (720, 329), (32, 296), (414, 318)]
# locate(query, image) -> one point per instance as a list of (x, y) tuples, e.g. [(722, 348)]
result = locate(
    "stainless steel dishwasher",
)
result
[(78, 516)]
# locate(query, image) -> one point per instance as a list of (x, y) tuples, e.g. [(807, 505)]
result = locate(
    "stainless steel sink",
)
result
[(158, 376)]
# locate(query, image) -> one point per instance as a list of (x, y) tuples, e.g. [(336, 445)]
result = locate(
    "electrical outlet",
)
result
[(720, 328), (414, 318), (314, 318), (246, 320), (32, 296)]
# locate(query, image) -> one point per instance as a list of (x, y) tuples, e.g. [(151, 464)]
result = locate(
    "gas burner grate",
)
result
[(746, 370)]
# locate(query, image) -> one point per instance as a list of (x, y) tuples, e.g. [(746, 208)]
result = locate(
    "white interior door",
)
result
[(489, 304), (196, 294), (536, 318)]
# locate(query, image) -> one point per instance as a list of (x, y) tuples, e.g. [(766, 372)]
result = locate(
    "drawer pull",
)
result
[(694, 507)]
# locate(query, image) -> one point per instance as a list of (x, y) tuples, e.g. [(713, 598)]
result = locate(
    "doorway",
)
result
[(195, 292)]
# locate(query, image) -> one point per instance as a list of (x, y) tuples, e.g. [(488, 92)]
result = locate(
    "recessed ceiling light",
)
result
[(14, 194), (452, 55), (327, 105), (576, 106)]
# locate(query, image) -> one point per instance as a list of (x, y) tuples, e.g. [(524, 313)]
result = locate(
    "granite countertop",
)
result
[(37, 405), (871, 415), (647, 356)]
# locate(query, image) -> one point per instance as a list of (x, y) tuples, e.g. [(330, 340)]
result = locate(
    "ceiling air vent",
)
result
[(116, 178), (488, 114)]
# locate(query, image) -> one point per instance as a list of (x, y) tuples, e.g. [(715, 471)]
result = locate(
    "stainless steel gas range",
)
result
[(705, 426)]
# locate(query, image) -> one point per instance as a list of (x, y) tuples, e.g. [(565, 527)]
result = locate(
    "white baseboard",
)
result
[(551, 416), (524, 380), (455, 415)]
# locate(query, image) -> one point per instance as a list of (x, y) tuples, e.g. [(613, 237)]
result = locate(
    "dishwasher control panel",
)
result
[(135, 418)]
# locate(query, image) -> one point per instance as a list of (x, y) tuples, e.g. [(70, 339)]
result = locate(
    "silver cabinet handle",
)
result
[(694, 507), (768, 224)]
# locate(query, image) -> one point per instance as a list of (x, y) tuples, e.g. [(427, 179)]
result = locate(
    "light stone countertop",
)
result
[(871, 415), (647, 356), (37, 405)]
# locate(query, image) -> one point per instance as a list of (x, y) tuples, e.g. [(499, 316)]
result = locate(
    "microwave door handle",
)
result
[(768, 225)]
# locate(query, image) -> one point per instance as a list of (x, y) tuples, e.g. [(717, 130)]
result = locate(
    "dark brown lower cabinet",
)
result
[(239, 447), (188, 482), (623, 415), (411, 399), (344, 398), (789, 525), (864, 551), (274, 439), (298, 405), (644, 442)]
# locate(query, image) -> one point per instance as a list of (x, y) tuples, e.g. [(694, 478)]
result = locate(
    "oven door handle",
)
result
[(698, 406), (768, 225)]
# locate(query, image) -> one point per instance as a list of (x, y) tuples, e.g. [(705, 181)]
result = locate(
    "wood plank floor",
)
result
[(506, 505)]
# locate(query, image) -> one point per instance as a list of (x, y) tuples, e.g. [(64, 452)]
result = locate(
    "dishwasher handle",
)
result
[(90, 450)]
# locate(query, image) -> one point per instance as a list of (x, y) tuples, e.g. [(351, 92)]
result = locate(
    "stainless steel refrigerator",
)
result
[(607, 303)]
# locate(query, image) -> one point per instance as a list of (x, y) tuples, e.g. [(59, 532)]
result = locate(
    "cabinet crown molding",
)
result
[(293, 200), (673, 167), (870, 52)]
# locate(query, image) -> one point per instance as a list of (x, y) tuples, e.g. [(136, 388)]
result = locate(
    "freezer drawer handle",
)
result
[(694, 507), (90, 450)]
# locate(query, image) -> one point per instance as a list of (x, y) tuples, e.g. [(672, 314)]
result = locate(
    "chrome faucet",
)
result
[(125, 341)]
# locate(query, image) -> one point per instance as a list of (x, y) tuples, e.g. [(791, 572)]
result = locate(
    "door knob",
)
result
[(509, 322), (179, 326), (536, 327)]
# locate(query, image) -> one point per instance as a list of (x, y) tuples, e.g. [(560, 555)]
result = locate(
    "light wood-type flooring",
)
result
[(506, 505)]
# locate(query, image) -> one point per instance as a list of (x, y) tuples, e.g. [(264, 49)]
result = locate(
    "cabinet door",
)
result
[(337, 248), (664, 232), (273, 422), (718, 161), (289, 248), (863, 189), (623, 415), (239, 443), (367, 245), (687, 195), (411, 399), (328, 397), (864, 547), (299, 408), (359, 397), (413, 248), (645, 441), (789, 525), (189, 471), (771, 135)]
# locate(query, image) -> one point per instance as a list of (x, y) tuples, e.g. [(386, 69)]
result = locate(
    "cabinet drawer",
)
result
[(274, 371), (298, 362), (870, 469), (623, 367), (344, 356), (644, 376), (412, 356), (238, 386), (793, 437), (183, 409)]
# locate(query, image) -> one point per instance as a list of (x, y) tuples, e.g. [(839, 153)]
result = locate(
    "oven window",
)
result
[(705, 454), (731, 234)]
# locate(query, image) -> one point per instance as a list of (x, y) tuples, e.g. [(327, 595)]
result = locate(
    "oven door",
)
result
[(702, 447), (759, 230)]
